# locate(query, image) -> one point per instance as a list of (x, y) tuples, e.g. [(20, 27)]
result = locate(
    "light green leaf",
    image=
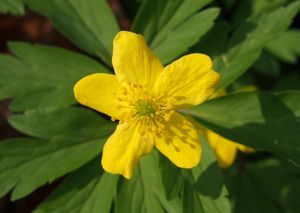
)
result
[(27, 163), (259, 120), (146, 190), (85, 190), (247, 42), (286, 46), (15, 7), (42, 76), (89, 24), (171, 27)]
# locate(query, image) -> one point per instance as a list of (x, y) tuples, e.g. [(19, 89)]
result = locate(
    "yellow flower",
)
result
[(144, 96), (225, 149)]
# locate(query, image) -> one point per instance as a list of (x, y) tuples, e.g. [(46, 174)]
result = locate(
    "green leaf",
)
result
[(72, 121), (267, 65), (85, 190), (190, 200), (27, 163), (260, 120), (42, 76), (290, 81), (247, 42), (185, 35), (286, 46), (248, 197), (145, 190), (89, 24), (254, 191), (15, 7), (172, 179), (213, 42), (207, 180), (171, 27)]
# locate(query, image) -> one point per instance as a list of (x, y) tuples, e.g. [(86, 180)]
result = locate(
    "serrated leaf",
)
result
[(85, 190), (286, 46), (27, 163), (146, 191), (15, 7), (260, 120), (247, 42), (171, 27), (89, 24), (42, 76)]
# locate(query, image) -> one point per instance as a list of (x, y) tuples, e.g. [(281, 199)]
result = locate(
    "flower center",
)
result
[(145, 108), (137, 104)]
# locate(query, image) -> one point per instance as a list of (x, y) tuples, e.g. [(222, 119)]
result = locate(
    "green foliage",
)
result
[(63, 141), (82, 22), (208, 182), (15, 7), (69, 136), (247, 42), (42, 76), (286, 46), (168, 26), (85, 190), (146, 190), (260, 120), (270, 185)]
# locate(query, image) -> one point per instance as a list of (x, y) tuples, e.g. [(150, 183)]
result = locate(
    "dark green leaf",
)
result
[(247, 42), (85, 190), (267, 65), (286, 46), (259, 120), (146, 191), (254, 191), (185, 35), (49, 123), (42, 76), (26, 163), (90, 24), (213, 43), (248, 197), (171, 178), (207, 180), (15, 7), (171, 27)]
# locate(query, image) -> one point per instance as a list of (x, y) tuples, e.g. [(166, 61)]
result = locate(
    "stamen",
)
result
[(135, 103)]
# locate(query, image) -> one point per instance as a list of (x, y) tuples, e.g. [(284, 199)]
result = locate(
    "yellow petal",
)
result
[(189, 79), (224, 149), (124, 148), (133, 61), (98, 91), (245, 149), (180, 142)]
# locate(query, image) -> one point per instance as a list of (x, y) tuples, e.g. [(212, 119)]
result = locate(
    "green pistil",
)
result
[(145, 108)]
